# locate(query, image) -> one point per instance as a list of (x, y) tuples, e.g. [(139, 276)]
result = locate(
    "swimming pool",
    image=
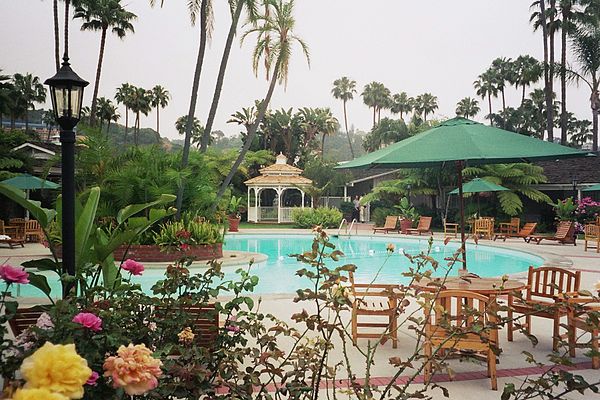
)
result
[(277, 275)]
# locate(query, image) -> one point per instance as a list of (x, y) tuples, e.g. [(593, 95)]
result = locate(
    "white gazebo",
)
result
[(276, 192)]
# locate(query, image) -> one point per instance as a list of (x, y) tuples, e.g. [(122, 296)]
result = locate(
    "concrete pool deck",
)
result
[(470, 381)]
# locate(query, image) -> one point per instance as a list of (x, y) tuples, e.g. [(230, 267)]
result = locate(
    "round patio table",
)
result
[(484, 286)]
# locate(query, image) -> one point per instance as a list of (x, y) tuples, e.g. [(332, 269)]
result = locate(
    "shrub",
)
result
[(309, 217), (176, 233), (378, 215)]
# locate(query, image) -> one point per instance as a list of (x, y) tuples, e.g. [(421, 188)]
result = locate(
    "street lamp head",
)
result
[(66, 92)]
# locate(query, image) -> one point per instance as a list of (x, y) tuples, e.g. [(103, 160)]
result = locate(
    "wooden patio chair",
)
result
[(16, 234), (33, 231), (484, 228), (525, 232), (390, 224), (204, 321), (591, 237), (461, 313), (374, 300), (542, 299), (511, 227), (578, 317), (450, 228), (565, 234), (24, 318), (424, 226)]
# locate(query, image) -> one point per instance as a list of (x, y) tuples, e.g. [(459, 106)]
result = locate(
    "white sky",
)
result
[(436, 46)]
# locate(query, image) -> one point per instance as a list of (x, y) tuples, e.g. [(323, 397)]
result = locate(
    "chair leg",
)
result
[(492, 369), (427, 370), (394, 330), (528, 322), (354, 327), (556, 333), (510, 318), (596, 347)]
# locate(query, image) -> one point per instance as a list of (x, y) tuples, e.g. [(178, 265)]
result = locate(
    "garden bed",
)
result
[(153, 253)]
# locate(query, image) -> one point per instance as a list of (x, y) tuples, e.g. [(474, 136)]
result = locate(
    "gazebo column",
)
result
[(257, 198), (278, 205), (302, 194), (248, 208)]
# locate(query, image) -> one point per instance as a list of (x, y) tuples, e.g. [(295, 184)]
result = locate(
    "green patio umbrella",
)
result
[(594, 188), (462, 142), (478, 185), (29, 182)]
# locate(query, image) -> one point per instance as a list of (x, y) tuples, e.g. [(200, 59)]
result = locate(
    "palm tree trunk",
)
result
[(374, 115), (378, 115), (157, 122), (108, 128), (56, 36), (563, 80), (595, 130), (547, 92), (262, 109), (126, 123), (503, 101), (26, 120), (348, 133), (550, 108), (523, 96), (323, 134), (136, 129), (221, 77), (490, 107), (190, 118), (98, 71)]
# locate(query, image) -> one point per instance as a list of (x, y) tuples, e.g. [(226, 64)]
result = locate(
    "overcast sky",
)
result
[(436, 46)]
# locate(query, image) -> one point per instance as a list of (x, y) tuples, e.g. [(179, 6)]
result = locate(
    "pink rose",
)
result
[(184, 246), (92, 379), (132, 266), (13, 274), (89, 321)]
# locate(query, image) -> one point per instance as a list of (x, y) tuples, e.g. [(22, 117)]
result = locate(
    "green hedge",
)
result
[(309, 217)]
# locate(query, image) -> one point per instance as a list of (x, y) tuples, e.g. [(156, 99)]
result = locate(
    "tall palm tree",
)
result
[(485, 86), (275, 39), (239, 5), (5, 90), (502, 70), (159, 98), (377, 96), (344, 89), (539, 18), (426, 103), (586, 49), (203, 9), (30, 91), (467, 107), (56, 34), (197, 129), (123, 96), (329, 126), (103, 15), (402, 104), (48, 120), (526, 70), (140, 104)]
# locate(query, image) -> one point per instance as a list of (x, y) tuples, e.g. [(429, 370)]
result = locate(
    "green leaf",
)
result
[(249, 302), (43, 264), (43, 215), (133, 209), (40, 282), (84, 226)]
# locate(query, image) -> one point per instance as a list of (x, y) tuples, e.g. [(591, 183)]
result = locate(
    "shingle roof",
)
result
[(279, 180), (584, 170)]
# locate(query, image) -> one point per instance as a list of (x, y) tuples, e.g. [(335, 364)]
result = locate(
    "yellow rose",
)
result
[(57, 368), (37, 394)]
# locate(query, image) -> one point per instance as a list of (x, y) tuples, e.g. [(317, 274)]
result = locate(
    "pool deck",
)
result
[(470, 381)]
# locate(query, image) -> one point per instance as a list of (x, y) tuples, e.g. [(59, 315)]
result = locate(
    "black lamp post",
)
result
[(66, 92)]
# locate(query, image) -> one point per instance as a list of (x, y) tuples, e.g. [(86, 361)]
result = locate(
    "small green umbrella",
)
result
[(29, 182), (594, 188), (462, 142), (479, 185)]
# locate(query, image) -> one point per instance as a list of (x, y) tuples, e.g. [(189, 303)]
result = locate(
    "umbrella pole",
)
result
[(459, 168)]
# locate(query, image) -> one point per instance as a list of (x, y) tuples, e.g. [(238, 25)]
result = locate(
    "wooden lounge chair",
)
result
[(454, 312), (523, 233), (565, 234), (390, 224), (424, 226), (544, 286), (375, 300), (578, 314), (15, 233), (592, 237)]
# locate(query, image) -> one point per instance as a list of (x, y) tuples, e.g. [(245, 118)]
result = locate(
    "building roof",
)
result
[(47, 148), (280, 174), (582, 170)]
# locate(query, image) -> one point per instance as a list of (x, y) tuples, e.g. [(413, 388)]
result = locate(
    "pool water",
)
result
[(277, 275)]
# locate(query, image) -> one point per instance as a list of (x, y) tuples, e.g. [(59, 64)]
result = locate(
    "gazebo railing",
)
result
[(286, 214), (267, 213)]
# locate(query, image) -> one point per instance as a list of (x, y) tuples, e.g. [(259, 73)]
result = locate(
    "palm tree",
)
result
[(485, 86), (502, 70), (539, 18), (467, 107), (274, 43), (159, 98), (48, 120), (123, 96), (344, 89), (329, 126), (197, 129), (102, 15), (102, 111), (29, 90), (377, 96), (56, 34), (586, 49), (402, 104), (6, 87), (526, 70), (140, 103), (250, 6), (426, 103)]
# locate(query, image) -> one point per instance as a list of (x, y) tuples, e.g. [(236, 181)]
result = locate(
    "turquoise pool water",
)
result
[(277, 274)]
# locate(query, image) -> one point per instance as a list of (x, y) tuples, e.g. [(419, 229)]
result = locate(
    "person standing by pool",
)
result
[(356, 213)]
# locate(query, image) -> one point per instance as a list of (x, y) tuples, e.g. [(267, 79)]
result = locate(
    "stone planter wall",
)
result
[(153, 253)]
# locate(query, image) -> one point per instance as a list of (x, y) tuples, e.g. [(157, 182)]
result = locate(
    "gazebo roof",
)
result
[(280, 174)]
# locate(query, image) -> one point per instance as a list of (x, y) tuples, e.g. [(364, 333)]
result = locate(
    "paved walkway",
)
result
[(470, 381)]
